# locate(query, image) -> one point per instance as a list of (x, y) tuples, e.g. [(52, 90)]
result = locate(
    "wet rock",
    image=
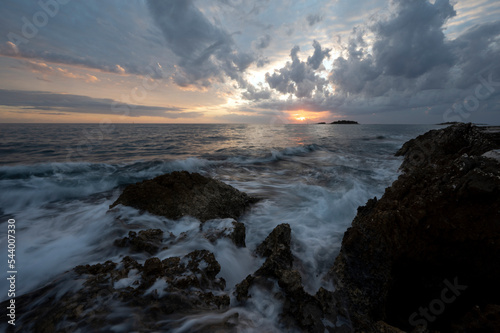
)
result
[(238, 234), (153, 267), (300, 309), (148, 241), (276, 247), (437, 226), (149, 297), (438, 147), (203, 263), (178, 194), (278, 241)]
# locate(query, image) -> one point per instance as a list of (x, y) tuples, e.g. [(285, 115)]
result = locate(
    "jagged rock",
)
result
[(238, 234), (278, 240), (436, 227), (300, 308), (148, 241), (178, 194), (438, 147), (150, 296)]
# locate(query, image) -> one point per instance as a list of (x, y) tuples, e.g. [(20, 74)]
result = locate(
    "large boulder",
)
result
[(178, 194), (438, 147), (427, 254)]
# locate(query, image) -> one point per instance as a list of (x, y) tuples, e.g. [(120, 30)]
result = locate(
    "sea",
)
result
[(57, 182)]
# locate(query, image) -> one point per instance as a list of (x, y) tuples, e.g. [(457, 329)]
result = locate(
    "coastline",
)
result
[(424, 257), (369, 250)]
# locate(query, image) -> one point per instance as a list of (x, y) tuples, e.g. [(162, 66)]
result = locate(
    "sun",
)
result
[(302, 116)]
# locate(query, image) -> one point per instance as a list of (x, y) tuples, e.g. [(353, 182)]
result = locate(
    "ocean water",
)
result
[(57, 182)]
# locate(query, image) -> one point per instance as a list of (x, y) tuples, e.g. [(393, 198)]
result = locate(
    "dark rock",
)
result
[(148, 241), (278, 240), (178, 194), (438, 147), (206, 259), (438, 224), (96, 269), (300, 309), (190, 286), (241, 290), (238, 234), (153, 267)]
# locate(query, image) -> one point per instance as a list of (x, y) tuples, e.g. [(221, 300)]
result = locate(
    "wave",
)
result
[(26, 186), (276, 155)]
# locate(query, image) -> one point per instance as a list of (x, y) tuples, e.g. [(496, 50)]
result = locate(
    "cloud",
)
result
[(152, 70), (404, 55), (9, 49), (262, 42), (66, 103), (401, 62), (84, 34), (475, 50), (412, 64), (298, 77), (408, 44), (319, 55), (254, 94), (48, 71), (411, 42), (312, 19), (206, 52)]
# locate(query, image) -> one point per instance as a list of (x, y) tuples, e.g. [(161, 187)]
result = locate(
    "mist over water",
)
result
[(311, 176)]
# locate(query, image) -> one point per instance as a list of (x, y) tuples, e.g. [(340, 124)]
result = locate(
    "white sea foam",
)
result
[(314, 182)]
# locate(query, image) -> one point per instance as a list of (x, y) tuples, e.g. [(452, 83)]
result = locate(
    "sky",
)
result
[(242, 61)]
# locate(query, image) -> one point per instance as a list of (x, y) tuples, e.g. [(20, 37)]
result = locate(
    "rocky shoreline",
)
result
[(423, 258)]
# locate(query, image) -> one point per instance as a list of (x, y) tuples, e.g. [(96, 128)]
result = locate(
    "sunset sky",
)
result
[(259, 61)]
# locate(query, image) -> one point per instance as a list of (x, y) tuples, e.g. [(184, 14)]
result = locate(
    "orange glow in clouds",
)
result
[(302, 116)]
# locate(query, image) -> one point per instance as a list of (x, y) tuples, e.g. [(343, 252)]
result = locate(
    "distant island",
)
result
[(321, 123), (345, 122), (451, 123)]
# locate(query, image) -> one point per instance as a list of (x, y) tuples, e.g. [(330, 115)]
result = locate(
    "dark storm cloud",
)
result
[(408, 45), (477, 48), (299, 77), (205, 51), (410, 66), (413, 65), (412, 41), (38, 100)]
